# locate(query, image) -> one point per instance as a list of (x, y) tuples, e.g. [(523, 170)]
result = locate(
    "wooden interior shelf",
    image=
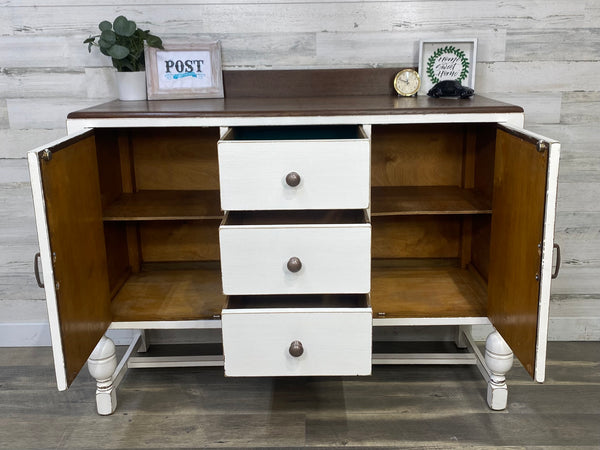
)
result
[(165, 205), (425, 289), (171, 291), (423, 200)]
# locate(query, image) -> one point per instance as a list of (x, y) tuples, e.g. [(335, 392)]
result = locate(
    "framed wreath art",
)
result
[(447, 60)]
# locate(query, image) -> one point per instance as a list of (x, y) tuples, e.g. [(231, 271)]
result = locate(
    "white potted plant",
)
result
[(124, 42)]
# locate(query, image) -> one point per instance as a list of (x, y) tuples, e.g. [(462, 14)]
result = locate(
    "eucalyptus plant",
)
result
[(123, 41)]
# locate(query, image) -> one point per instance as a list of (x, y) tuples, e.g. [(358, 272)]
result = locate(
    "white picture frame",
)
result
[(184, 71), (451, 59)]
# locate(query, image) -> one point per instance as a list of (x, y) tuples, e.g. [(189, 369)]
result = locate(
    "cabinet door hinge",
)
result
[(541, 146), (46, 155)]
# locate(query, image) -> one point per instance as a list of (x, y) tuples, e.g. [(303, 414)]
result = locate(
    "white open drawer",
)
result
[(282, 168), (295, 252), (297, 335)]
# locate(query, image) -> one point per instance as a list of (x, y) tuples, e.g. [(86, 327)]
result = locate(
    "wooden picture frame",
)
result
[(441, 60), (184, 71)]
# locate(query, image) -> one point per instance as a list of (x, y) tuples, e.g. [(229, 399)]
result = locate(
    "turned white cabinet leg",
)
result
[(102, 364), (499, 360)]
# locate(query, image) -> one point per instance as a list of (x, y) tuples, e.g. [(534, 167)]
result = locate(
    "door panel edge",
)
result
[(547, 253), (39, 207)]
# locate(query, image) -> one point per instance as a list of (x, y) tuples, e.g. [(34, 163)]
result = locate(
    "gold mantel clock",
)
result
[(407, 82)]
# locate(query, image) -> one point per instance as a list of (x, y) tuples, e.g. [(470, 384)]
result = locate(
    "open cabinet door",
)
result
[(66, 193), (524, 206)]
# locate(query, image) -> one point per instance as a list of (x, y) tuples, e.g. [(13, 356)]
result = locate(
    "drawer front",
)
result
[(326, 342), (260, 260), (281, 175)]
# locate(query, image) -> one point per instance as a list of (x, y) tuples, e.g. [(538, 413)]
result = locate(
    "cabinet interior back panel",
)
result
[(485, 150), (179, 240), (175, 158), (480, 244), (417, 155), (416, 236), (117, 253), (109, 162)]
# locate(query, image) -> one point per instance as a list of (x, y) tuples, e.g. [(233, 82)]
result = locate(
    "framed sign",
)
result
[(447, 60), (184, 71)]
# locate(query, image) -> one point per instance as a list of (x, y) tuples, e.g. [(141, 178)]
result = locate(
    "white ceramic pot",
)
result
[(132, 85)]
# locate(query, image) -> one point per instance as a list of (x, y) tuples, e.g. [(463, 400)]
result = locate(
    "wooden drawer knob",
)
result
[(294, 264), (296, 349), (292, 179)]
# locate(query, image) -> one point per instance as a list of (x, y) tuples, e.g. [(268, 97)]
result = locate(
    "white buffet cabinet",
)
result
[(296, 225)]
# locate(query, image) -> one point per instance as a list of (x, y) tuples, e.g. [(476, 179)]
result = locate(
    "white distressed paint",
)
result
[(336, 341), (574, 282), (578, 196), (45, 113), (536, 76), (15, 143), (18, 242), (31, 51), (580, 135), (393, 47), (334, 174), (540, 108), (571, 314), (24, 334), (580, 107), (266, 49), (552, 44), (547, 253), (3, 114), (315, 16), (335, 258), (578, 164), (43, 82), (101, 83)]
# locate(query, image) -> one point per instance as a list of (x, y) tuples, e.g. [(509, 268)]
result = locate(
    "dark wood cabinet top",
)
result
[(295, 93), (294, 107)]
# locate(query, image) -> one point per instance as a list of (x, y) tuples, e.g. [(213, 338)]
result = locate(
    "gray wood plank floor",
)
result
[(396, 407)]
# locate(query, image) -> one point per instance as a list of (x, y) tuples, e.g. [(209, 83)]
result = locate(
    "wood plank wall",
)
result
[(542, 55)]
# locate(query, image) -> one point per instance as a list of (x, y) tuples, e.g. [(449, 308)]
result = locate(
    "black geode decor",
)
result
[(450, 88)]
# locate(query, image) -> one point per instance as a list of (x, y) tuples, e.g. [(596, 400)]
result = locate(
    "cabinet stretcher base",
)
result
[(493, 366)]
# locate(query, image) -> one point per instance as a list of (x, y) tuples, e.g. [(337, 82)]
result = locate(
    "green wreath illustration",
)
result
[(448, 49)]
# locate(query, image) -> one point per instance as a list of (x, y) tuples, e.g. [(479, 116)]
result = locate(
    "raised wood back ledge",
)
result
[(323, 92), (309, 83)]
